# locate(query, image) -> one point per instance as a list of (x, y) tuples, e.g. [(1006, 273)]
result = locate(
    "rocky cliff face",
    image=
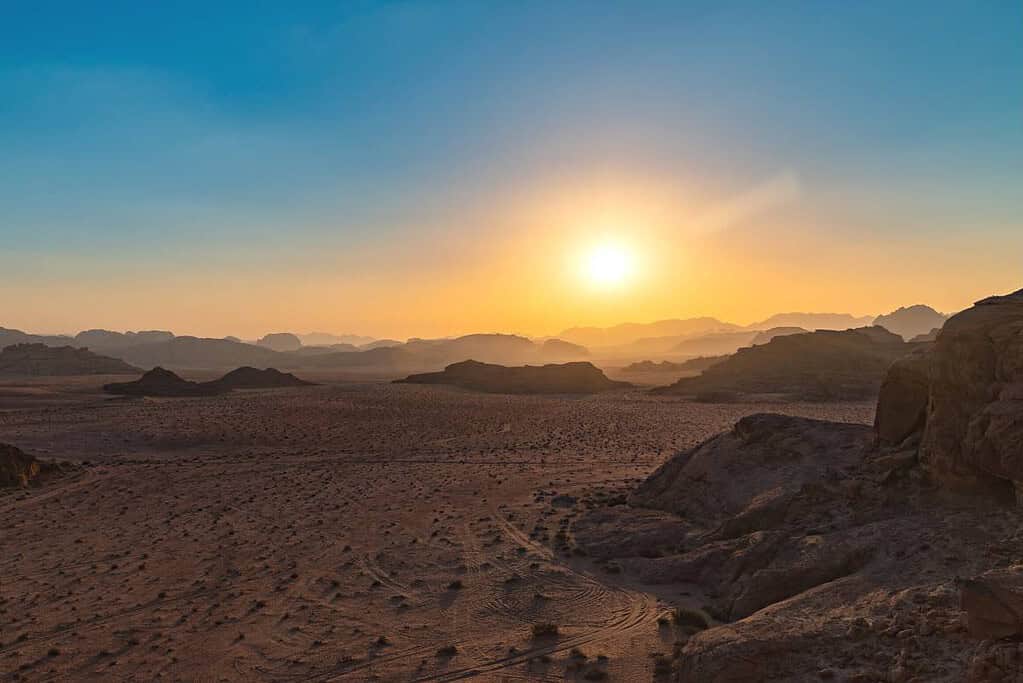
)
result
[(826, 551), (963, 400)]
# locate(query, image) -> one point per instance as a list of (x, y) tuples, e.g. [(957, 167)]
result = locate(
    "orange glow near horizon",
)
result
[(534, 260)]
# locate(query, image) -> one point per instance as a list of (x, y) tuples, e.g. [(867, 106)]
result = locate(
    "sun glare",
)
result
[(608, 265)]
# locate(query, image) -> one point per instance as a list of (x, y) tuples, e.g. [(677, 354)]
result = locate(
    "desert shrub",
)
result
[(686, 617), (545, 629)]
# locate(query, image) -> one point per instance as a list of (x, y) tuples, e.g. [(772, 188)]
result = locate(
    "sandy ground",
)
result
[(340, 532)]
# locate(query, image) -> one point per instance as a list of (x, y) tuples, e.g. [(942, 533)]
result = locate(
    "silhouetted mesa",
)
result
[(253, 378), (19, 469), (960, 401), (567, 378), (819, 365), (692, 365), (160, 382), (42, 360)]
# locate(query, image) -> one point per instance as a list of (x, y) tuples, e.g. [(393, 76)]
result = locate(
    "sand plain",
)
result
[(348, 531)]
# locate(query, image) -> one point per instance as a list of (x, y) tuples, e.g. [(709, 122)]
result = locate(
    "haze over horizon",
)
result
[(402, 169)]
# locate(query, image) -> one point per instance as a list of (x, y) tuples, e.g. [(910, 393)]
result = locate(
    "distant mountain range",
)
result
[(673, 340)]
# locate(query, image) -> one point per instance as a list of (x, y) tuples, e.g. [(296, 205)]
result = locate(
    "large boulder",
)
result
[(992, 603), (972, 436), (19, 469), (747, 479), (902, 402)]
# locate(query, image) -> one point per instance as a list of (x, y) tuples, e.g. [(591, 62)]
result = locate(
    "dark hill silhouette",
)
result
[(698, 364), (927, 336), (719, 343), (379, 344), (161, 382), (627, 333), (813, 321), (106, 340), (42, 360), (281, 341), (559, 350), (198, 353), (395, 359), (164, 383), (767, 335), (9, 337), (252, 378), (322, 350), (908, 322), (818, 365), (569, 378)]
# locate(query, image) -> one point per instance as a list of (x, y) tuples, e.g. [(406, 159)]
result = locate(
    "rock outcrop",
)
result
[(567, 378), (42, 360), (902, 401), (822, 365), (164, 383), (159, 382), (252, 378), (19, 469), (992, 603), (971, 431), (833, 551)]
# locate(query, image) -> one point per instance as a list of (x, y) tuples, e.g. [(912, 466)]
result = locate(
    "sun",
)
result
[(608, 265)]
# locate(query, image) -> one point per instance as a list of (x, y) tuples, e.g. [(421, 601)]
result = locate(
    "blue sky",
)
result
[(180, 140)]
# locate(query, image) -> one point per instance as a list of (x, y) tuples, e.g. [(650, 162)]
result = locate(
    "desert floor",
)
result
[(340, 532)]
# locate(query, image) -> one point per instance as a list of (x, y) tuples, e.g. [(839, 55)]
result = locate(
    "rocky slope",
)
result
[(42, 360), (821, 365), (568, 378), (824, 551)]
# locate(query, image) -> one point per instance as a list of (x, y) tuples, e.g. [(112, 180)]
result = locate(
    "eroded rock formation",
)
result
[(963, 399), (567, 378), (833, 551), (19, 469)]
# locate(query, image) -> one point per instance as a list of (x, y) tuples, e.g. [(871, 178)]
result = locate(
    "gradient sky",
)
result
[(431, 168)]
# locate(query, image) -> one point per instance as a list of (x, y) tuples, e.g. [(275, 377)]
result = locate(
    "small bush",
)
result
[(690, 618), (545, 629)]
